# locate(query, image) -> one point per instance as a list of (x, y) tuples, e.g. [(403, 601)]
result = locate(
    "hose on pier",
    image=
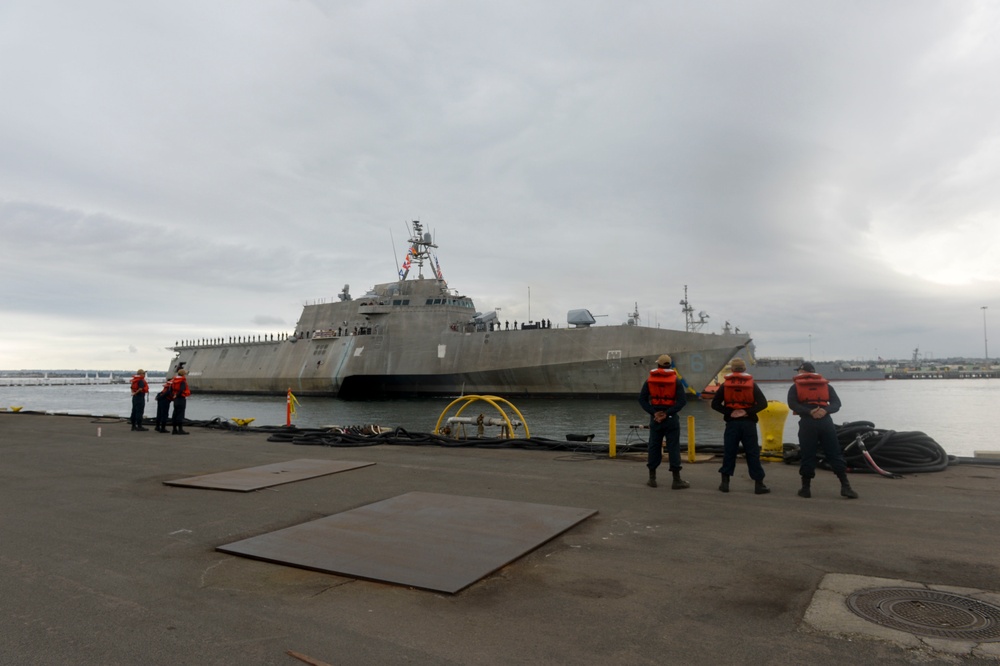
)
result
[(895, 452), (363, 436), (887, 452)]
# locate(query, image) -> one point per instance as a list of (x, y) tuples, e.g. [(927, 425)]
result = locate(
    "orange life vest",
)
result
[(811, 389), (738, 390), (662, 384), (167, 392), (139, 384), (180, 387)]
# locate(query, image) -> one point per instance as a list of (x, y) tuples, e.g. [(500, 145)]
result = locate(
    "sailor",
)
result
[(179, 387), (662, 398), (163, 399), (739, 399), (139, 390), (813, 399)]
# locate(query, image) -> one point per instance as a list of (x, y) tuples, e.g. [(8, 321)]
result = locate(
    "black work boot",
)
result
[(679, 484), (845, 487), (804, 491), (652, 479), (724, 486), (759, 488)]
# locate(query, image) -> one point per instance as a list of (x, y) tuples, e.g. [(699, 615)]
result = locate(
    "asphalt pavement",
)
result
[(102, 563)]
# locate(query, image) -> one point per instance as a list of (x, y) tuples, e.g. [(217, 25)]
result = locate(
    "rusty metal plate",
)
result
[(427, 540), (255, 478)]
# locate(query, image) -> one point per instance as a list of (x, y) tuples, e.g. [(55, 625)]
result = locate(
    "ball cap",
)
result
[(807, 367), (664, 361)]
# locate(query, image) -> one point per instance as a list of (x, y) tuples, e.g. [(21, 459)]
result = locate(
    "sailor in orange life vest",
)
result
[(163, 399), (813, 399), (662, 396), (739, 399), (180, 389), (139, 390)]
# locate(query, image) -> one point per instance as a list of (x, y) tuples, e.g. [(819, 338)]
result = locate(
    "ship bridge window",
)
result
[(404, 301)]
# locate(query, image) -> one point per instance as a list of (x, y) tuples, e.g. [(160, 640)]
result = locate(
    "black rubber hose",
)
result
[(896, 452)]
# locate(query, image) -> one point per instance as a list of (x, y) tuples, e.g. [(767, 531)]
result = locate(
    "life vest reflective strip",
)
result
[(737, 390), (662, 387), (812, 389), (139, 384)]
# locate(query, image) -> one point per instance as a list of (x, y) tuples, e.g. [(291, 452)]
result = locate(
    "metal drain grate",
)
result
[(928, 613)]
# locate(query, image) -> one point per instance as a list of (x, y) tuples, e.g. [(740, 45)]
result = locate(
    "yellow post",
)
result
[(690, 439), (772, 430), (612, 448)]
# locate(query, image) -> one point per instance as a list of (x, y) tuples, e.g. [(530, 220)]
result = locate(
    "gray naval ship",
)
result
[(418, 337)]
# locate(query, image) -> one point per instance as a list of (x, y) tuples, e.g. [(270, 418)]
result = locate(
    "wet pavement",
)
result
[(103, 563)]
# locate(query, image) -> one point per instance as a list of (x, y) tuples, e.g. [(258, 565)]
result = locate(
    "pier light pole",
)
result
[(986, 348)]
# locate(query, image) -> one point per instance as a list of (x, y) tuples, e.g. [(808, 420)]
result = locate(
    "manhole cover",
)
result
[(928, 613)]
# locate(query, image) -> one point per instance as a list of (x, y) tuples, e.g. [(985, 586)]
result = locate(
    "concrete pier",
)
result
[(101, 563)]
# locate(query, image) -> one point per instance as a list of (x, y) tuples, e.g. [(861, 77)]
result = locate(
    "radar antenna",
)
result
[(692, 325), (419, 252), (633, 317)]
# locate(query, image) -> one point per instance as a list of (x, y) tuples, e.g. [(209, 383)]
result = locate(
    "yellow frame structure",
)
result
[(490, 399)]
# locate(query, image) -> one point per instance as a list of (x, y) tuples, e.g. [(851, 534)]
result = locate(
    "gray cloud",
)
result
[(818, 174)]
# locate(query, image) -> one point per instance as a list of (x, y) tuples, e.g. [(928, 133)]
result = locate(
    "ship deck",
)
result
[(103, 563)]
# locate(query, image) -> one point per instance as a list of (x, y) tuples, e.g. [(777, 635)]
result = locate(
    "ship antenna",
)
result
[(395, 257), (690, 325)]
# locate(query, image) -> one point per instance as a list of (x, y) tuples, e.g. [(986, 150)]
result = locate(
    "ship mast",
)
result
[(419, 251), (691, 325)]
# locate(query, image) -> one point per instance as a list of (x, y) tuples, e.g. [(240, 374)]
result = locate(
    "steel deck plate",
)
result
[(254, 478), (427, 540)]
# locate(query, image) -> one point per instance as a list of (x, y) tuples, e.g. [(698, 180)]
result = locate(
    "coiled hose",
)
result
[(886, 452), (895, 452)]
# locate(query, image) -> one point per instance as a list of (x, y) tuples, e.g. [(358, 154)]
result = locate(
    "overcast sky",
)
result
[(823, 175)]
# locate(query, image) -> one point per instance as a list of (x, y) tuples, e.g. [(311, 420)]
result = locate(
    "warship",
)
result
[(416, 336)]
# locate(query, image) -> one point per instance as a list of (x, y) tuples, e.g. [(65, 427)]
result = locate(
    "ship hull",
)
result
[(610, 361)]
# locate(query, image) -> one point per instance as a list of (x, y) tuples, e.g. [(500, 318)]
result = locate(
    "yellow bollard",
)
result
[(690, 439), (772, 430), (612, 448)]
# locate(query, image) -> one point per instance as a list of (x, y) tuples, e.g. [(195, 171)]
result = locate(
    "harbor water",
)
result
[(952, 412)]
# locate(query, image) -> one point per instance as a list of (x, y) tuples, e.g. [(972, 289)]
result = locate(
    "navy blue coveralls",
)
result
[(814, 433), (668, 429), (742, 429)]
